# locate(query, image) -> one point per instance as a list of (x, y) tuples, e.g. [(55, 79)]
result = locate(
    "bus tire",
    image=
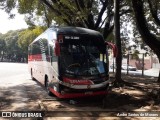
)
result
[(47, 86)]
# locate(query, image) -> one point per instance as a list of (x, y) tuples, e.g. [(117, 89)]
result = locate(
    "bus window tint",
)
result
[(44, 45), (36, 48), (82, 60), (54, 58), (30, 50), (44, 49)]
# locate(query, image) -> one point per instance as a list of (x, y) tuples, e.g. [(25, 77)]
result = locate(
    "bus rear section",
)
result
[(82, 63)]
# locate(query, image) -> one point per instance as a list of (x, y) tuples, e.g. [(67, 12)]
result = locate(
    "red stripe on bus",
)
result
[(77, 81), (77, 95), (37, 57)]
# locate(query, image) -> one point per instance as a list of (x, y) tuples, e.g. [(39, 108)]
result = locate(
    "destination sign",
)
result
[(72, 37)]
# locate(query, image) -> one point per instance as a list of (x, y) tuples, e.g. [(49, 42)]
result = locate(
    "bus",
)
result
[(70, 62)]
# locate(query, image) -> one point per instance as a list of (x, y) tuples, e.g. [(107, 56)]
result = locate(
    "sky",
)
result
[(7, 24)]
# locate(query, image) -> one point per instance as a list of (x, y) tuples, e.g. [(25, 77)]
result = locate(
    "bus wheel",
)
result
[(47, 86)]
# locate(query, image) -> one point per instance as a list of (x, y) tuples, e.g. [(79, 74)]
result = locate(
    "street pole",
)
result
[(143, 64), (113, 64), (127, 63)]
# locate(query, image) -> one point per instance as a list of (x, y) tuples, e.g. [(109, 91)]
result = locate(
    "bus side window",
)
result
[(36, 51), (54, 58), (44, 48), (30, 50), (36, 48)]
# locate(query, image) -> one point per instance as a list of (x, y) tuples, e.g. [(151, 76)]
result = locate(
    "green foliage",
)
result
[(27, 36), (10, 47), (110, 38), (14, 44), (84, 13), (2, 46), (135, 55)]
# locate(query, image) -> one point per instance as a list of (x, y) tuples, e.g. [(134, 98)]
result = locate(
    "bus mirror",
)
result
[(114, 48), (57, 49)]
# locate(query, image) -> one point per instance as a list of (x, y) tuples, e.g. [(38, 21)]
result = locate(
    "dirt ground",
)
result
[(137, 99), (143, 93), (139, 96)]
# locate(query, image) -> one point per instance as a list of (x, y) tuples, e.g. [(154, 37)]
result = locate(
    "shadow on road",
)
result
[(28, 96)]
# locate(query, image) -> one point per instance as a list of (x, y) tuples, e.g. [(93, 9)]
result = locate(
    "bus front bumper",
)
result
[(77, 95), (101, 89)]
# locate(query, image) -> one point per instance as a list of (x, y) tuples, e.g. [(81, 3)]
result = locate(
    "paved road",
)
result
[(19, 93), (17, 90)]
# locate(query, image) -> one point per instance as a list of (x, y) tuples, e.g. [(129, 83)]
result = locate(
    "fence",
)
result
[(140, 62)]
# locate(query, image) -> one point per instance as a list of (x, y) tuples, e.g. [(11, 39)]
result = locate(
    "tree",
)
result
[(92, 14), (71, 12), (150, 39), (12, 50), (117, 39), (27, 36), (2, 48), (154, 10)]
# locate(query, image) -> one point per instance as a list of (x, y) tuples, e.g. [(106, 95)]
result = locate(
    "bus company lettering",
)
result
[(78, 81)]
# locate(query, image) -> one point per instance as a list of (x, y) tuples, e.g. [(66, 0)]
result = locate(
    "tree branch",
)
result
[(81, 4), (47, 19), (142, 26), (89, 4), (55, 11), (66, 11), (102, 1), (90, 18), (154, 13), (90, 21), (126, 11), (77, 4), (108, 28), (101, 14)]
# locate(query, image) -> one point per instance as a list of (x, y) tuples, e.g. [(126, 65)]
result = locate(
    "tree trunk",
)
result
[(2, 56), (142, 26), (158, 78), (118, 41), (159, 70)]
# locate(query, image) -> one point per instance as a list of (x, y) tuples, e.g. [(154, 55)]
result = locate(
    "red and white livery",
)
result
[(70, 62)]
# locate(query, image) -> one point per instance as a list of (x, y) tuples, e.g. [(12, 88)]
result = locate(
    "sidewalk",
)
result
[(154, 72)]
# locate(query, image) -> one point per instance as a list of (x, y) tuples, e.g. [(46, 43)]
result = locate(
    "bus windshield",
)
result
[(83, 60)]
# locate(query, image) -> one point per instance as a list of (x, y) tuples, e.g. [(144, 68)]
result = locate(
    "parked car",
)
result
[(124, 67), (130, 68), (111, 66)]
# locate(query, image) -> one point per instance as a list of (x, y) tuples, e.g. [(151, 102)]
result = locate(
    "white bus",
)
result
[(70, 62)]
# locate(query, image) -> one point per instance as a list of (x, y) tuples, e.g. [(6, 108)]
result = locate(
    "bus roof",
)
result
[(79, 31), (91, 35), (76, 30)]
